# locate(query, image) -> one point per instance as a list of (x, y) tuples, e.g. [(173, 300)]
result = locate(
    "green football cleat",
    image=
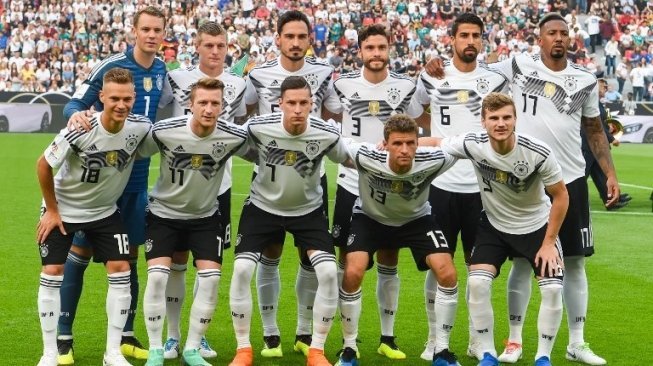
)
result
[(272, 347), (302, 343), (155, 357), (389, 348), (65, 352), (131, 347), (192, 357)]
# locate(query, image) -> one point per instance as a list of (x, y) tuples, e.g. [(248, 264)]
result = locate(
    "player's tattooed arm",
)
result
[(598, 143), (51, 218)]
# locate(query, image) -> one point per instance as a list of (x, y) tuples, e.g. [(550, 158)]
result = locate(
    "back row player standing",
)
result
[(212, 49), (455, 103), (293, 40), (148, 73)]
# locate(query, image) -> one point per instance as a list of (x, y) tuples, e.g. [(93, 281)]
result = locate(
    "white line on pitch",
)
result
[(635, 186), (622, 213)]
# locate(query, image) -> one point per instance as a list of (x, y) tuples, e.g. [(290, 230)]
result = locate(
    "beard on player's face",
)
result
[(376, 63)]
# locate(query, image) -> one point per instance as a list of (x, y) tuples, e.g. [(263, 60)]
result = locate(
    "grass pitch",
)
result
[(617, 327)]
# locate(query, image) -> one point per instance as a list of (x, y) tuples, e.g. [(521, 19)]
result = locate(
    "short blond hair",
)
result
[(118, 75), (495, 101), (207, 84)]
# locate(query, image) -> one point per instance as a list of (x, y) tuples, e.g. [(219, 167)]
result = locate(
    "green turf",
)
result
[(620, 288)]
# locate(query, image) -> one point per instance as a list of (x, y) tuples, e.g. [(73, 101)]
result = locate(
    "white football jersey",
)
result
[(94, 167), (191, 168), (288, 179), (264, 84), (512, 185), (365, 107), (550, 105), (396, 199), (455, 103), (176, 90)]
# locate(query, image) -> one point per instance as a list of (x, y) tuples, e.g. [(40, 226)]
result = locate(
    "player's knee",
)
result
[(446, 276), (388, 257), (552, 296), (353, 278), (52, 270), (273, 251), (180, 257), (117, 266), (479, 287)]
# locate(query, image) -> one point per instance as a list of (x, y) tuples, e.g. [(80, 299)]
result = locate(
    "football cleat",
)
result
[(488, 360), (48, 359), (65, 352), (272, 346), (512, 353), (389, 348), (581, 352), (347, 357), (316, 358), (205, 349), (303, 343), (445, 358), (543, 361), (171, 349), (429, 350), (115, 359), (244, 357), (155, 357), (131, 347), (192, 357)]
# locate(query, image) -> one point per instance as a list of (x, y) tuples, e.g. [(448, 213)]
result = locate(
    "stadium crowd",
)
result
[(53, 45)]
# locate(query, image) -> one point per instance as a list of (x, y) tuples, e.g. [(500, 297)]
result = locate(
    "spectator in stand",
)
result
[(637, 75), (43, 75), (611, 52), (593, 29), (612, 95)]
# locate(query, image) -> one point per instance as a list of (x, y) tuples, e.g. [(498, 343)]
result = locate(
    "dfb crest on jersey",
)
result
[(374, 107), (312, 147), (570, 83), (290, 157), (393, 96), (396, 186), (312, 81), (159, 82), (482, 86), (148, 245), (335, 232), (229, 93), (147, 84), (521, 169), (196, 161), (462, 96), (549, 89), (501, 176), (131, 143), (112, 157), (350, 239), (218, 149), (418, 177), (43, 249)]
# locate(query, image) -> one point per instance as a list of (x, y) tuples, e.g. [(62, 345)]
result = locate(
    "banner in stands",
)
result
[(34, 112)]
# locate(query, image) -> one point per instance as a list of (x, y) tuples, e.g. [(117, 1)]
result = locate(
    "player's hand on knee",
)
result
[(549, 261), (80, 120), (48, 222)]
